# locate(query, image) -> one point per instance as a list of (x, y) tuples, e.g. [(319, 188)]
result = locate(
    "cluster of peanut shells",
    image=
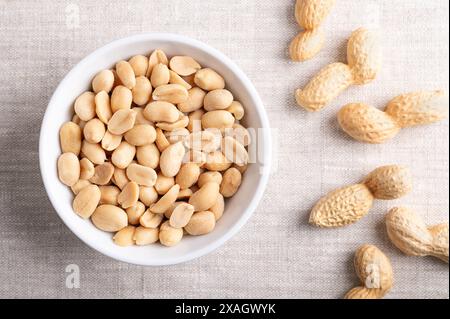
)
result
[(154, 149)]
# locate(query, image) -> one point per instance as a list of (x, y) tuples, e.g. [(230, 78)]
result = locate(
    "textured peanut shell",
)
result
[(311, 13), (389, 182), (363, 293), (306, 45), (342, 207)]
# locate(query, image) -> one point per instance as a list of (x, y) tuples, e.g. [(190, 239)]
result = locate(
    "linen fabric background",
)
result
[(276, 254)]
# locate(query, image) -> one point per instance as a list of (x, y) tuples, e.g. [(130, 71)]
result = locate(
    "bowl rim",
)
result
[(267, 148)]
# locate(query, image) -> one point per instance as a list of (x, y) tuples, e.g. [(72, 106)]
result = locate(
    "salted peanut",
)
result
[(148, 155), (94, 130), (188, 175), (205, 197), (109, 194), (176, 79), (217, 100), (194, 101), (161, 111), (236, 109), (185, 193), (177, 135), (171, 159), (194, 156), (103, 174), (103, 106), (148, 195), (68, 168), (184, 65), (209, 80), (94, 152), (123, 155), (151, 220), (216, 161), (181, 215), (117, 81), (78, 186), (173, 93), (110, 141), (129, 195), (70, 138), (120, 177), (142, 91), (121, 122), (135, 212), (160, 75), (164, 202), (206, 141), (201, 223), (126, 74), (85, 106), (172, 207), (161, 140), (140, 118), (140, 135), (239, 133), (231, 181), (145, 236), (219, 119), (124, 237), (241, 169), (218, 208), (163, 184), (139, 64), (142, 175), (86, 201), (209, 176), (157, 57), (181, 123), (109, 218), (195, 120), (168, 235), (121, 98), (87, 169), (234, 151), (103, 81)]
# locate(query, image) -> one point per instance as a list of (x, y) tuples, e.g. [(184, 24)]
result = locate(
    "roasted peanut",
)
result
[(145, 236), (151, 220), (85, 106), (121, 121), (161, 140), (94, 152), (110, 141), (94, 130), (148, 155), (163, 184), (109, 194), (218, 208), (173, 93), (166, 201), (168, 235), (121, 98), (129, 195), (201, 223), (142, 91), (139, 63), (120, 177), (219, 119), (157, 56), (184, 65), (234, 151), (161, 111), (147, 195), (171, 159), (230, 182), (181, 215), (103, 106), (160, 75), (122, 156), (102, 174), (68, 168), (217, 100), (140, 135), (86, 201), (124, 237), (209, 80), (109, 218), (210, 176), (103, 81), (140, 174), (205, 197), (140, 118), (195, 121), (70, 138), (194, 101), (135, 212), (216, 161), (78, 186), (188, 175), (176, 79), (236, 109), (126, 74)]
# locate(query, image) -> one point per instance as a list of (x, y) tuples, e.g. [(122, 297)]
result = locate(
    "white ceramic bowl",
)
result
[(238, 209)]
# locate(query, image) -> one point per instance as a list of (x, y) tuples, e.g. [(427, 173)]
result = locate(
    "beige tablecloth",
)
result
[(276, 254)]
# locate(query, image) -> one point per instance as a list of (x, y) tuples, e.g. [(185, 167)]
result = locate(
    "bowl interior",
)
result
[(237, 210)]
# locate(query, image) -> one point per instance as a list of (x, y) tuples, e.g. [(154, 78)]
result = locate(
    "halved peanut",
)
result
[(234, 151), (68, 168), (120, 177), (140, 118), (163, 184), (168, 235), (161, 140), (103, 106), (139, 63), (123, 155), (94, 130), (181, 123), (195, 120), (171, 159), (109, 218), (135, 212), (164, 202), (161, 111), (216, 161), (218, 208), (103, 174), (218, 100), (110, 141), (109, 194), (219, 119), (94, 152), (201, 223), (230, 183), (173, 93), (126, 74), (184, 65), (170, 210), (237, 110), (121, 98), (147, 195), (70, 138), (157, 56), (85, 106), (146, 236), (210, 176), (87, 169), (141, 134), (205, 197), (206, 141), (142, 91), (86, 201), (103, 81), (209, 80), (142, 175), (129, 195), (188, 175), (176, 79), (124, 237), (78, 186), (194, 101), (121, 121), (160, 75), (148, 155), (150, 220), (177, 135), (181, 215)]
